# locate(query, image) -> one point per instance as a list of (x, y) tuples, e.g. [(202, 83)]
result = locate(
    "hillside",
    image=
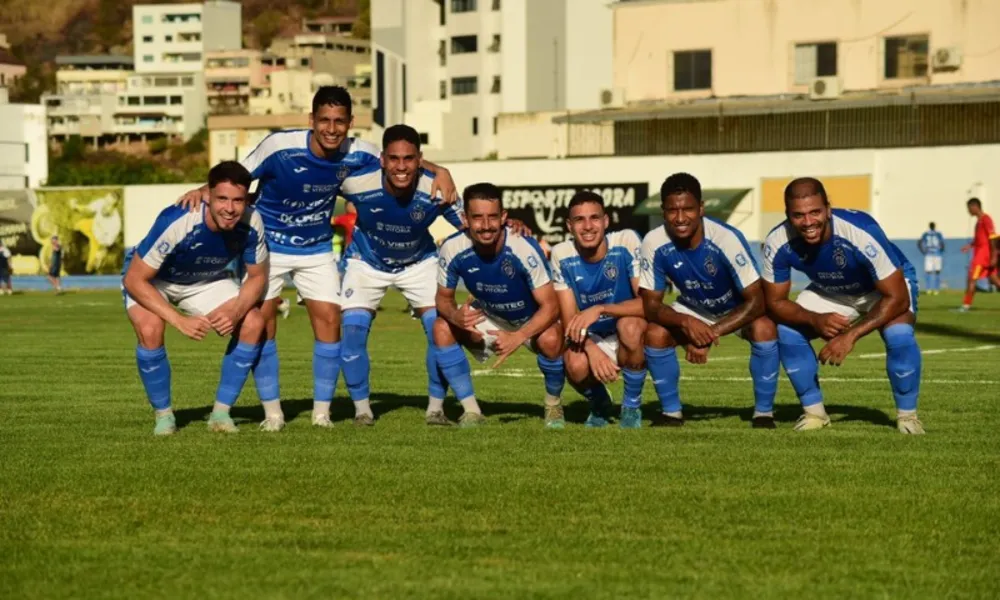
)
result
[(39, 31)]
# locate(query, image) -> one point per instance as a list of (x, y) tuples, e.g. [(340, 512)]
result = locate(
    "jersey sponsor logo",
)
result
[(870, 250), (473, 269), (298, 170), (508, 268), (710, 266), (741, 260), (678, 264), (579, 278), (375, 210), (839, 258), (532, 262), (611, 271)]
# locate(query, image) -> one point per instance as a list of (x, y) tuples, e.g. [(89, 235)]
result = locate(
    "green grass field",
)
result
[(92, 506)]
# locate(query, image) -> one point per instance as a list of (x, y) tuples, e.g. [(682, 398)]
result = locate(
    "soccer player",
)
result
[(984, 252), (515, 304), (710, 264), (931, 245), (392, 247), (55, 264), (183, 261), (859, 283), (596, 278), (299, 173), (5, 270)]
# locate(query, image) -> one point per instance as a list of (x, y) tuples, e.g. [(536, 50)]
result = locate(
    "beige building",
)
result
[(98, 74), (677, 49), (11, 68), (232, 137), (232, 77)]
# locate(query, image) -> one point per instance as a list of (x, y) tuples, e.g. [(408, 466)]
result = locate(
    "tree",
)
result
[(266, 27), (363, 26)]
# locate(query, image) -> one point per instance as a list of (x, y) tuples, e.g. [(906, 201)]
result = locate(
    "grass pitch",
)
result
[(91, 505)]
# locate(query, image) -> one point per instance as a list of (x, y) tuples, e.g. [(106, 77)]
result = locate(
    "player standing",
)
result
[(392, 247), (515, 304), (299, 174), (984, 252), (859, 283), (931, 245), (596, 278), (5, 269), (55, 264), (710, 263), (183, 261)]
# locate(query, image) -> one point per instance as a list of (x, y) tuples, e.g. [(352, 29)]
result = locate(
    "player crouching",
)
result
[(182, 262), (515, 304), (596, 277)]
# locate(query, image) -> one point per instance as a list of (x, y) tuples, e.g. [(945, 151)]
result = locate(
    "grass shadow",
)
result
[(957, 332)]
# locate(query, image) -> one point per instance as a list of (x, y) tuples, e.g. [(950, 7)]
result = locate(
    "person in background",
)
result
[(984, 252), (5, 270), (931, 245), (55, 264)]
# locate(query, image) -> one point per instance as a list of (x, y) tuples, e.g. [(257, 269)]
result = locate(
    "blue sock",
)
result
[(597, 398), (154, 370), (436, 387), (799, 360), (553, 371), (265, 372), (236, 365), (929, 280), (902, 363), (936, 283), (666, 372), (633, 387), (764, 367), (354, 354), (455, 366), (326, 369)]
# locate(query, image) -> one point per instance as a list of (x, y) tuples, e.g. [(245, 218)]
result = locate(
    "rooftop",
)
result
[(95, 59)]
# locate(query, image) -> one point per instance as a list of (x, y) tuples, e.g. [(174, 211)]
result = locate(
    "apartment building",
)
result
[(92, 74), (334, 25), (232, 77), (11, 69), (450, 67), (173, 38), (24, 150)]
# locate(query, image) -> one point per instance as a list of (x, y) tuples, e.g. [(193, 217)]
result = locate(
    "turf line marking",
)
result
[(519, 374)]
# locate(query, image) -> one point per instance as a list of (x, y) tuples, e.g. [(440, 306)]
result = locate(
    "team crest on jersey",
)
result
[(768, 252), (343, 172), (306, 188), (532, 262), (741, 260), (644, 264), (839, 258), (611, 271), (417, 213), (163, 248), (443, 262), (508, 268), (710, 266), (871, 251), (348, 292)]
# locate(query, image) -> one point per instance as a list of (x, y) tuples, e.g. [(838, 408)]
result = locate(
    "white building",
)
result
[(170, 104), (450, 67), (24, 150), (172, 38)]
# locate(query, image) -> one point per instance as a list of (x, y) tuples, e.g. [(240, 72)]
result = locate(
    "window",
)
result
[(147, 39), (154, 100), (495, 44), (147, 19), (423, 139), (495, 88), (693, 70), (443, 89), (496, 4), (187, 80), (463, 86), (176, 100), (133, 100), (168, 38), (475, 125), (460, 6), (495, 120), (147, 58), (442, 53), (815, 60), (464, 44), (906, 56)]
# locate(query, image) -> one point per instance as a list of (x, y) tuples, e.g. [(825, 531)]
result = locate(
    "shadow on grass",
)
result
[(957, 332), (783, 413)]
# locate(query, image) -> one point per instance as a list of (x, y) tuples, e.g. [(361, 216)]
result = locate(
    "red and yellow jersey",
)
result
[(346, 221), (985, 233)]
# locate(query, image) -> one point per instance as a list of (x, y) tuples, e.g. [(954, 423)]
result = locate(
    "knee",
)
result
[(550, 342), (657, 336), (253, 324), (441, 332), (630, 332), (577, 366), (150, 332), (763, 329)]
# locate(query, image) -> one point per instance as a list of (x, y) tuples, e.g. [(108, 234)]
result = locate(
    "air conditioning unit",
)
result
[(947, 59), (824, 88), (612, 98)]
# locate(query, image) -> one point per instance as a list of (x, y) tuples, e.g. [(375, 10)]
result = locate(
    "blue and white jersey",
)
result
[(183, 250), (297, 190), (856, 256), (710, 278), (392, 233), (503, 285), (607, 281), (932, 243)]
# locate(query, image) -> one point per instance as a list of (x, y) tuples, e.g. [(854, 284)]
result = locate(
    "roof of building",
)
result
[(94, 59), (6, 58)]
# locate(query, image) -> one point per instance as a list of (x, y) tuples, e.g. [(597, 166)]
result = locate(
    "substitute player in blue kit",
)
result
[(859, 283), (712, 268), (596, 278), (931, 245), (299, 174), (515, 303), (182, 262), (392, 247)]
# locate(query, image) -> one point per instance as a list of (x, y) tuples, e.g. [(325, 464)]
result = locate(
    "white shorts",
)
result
[(494, 323), (932, 264), (194, 299), (608, 345), (703, 317), (852, 307), (365, 286), (315, 276)]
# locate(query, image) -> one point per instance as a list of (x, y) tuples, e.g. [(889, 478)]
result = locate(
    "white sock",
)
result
[(165, 412), (435, 405), (471, 406), (675, 414), (769, 413), (816, 409), (906, 413), (363, 407), (220, 407), (321, 408), (551, 400), (272, 410)]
